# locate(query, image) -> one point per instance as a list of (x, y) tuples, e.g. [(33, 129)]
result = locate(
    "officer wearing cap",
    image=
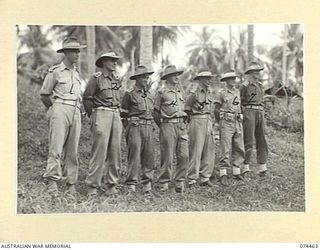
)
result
[(228, 113), (63, 84), (254, 123), (102, 102), (137, 114), (170, 117), (199, 106)]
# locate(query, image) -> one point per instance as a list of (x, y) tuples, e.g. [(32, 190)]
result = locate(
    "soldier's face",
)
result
[(205, 81), (110, 64), (72, 55), (142, 81), (173, 79), (231, 82), (255, 75)]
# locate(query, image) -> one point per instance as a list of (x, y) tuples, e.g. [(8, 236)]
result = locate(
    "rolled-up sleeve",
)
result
[(48, 84), (218, 98), (157, 101), (125, 103), (190, 101)]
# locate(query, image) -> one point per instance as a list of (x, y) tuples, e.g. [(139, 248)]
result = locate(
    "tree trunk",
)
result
[(284, 57), (250, 42), (231, 49), (91, 38), (146, 46)]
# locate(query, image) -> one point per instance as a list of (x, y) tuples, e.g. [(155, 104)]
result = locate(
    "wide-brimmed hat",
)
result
[(140, 70), (170, 70), (109, 54), (253, 66), (228, 74), (70, 43), (203, 73)]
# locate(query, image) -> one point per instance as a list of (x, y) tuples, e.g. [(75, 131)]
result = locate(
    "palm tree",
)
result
[(250, 42), (202, 53), (146, 46), (292, 50)]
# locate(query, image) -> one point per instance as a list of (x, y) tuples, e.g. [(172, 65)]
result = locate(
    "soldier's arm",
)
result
[(217, 106), (88, 95), (157, 112), (191, 99), (46, 89), (124, 109)]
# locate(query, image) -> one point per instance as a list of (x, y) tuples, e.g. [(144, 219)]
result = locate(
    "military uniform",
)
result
[(173, 135), (199, 106), (64, 84), (103, 94), (137, 108), (253, 123), (231, 133)]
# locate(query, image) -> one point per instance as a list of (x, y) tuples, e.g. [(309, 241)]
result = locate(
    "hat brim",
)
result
[(71, 48), (198, 77), (179, 72), (250, 70), (228, 77), (100, 60), (141, 74)]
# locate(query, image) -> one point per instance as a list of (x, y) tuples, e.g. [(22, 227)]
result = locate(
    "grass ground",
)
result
[(282, 190)]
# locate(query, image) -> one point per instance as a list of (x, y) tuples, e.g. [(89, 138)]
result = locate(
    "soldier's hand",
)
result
[(124, 122)]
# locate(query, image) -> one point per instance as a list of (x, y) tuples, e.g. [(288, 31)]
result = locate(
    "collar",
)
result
[(204, 90), (175, 89), (231, 90), (137, 89), (63, 67)]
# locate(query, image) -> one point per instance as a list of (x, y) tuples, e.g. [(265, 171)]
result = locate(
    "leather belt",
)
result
[(257, 107), (173, 120), (200, 116), (68, 102), (112, 109), (140, 120)]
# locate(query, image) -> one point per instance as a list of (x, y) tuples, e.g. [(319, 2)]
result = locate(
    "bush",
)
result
[(282, 116)]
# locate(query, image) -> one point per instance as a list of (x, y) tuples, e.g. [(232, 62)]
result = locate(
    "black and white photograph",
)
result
[(160, 118)]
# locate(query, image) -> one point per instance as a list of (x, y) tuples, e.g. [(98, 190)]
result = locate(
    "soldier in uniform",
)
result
[(199, 106), (102, 102), (170, 116), (228, 113), (63, 83), (253, 123), (137, 114)]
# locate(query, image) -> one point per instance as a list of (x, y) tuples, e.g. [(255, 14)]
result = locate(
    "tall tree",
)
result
[(91, 38), (146, 46), (250, 42), (202, 53)]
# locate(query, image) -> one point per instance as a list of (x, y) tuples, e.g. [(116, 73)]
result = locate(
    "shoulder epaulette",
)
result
[(245, 83), (53, 68), (97, 74)]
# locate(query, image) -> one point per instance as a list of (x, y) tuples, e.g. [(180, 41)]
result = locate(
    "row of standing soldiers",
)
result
[(186, 126)]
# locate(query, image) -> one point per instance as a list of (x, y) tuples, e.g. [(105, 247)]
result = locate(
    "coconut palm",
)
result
[(202, 52)]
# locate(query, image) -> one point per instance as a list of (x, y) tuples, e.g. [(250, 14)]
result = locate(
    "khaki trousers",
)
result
[(64, 135)]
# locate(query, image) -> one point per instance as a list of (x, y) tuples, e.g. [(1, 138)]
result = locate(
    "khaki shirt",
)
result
[(62, 82), (251, 93), (170, 102), (137, 103), (200, 102), (103, 90), (229, 100)]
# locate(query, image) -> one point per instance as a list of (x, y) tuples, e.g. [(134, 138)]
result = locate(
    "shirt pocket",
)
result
[(106, 90), (64, 85), (169, 107), (138, 104)]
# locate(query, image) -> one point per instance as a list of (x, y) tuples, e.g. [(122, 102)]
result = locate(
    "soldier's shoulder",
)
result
[(97, 74), (245, 83), (53, 68)]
